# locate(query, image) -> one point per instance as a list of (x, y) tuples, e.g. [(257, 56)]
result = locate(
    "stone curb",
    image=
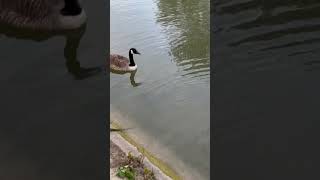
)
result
[(126, 147)]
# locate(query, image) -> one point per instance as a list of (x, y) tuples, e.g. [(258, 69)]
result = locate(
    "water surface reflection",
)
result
[(72, 41), (186, 25), (132, 76)]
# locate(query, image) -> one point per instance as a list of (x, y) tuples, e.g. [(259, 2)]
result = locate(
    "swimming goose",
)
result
[(121, 63), (42, 14)]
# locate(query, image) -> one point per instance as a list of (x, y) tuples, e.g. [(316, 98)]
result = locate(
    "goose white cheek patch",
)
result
[(131, 51)]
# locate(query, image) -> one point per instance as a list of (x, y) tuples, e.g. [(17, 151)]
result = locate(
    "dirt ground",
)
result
[(117, 156), (119, 159)]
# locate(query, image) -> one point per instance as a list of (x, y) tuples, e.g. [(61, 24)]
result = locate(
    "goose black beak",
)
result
[(138, 53)]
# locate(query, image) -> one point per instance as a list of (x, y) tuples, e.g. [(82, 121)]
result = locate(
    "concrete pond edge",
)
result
[(127, 144)]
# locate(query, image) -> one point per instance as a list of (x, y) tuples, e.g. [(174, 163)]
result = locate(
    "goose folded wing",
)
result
[(118, 60)]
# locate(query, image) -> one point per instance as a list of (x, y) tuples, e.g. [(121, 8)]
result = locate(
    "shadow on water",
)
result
[(132, 76), (73, 38)]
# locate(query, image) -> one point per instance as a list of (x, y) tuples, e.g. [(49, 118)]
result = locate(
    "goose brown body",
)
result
[(41, 14), (118, 62)]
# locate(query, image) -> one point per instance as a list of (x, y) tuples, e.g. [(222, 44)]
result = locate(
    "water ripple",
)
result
[(264, 29)]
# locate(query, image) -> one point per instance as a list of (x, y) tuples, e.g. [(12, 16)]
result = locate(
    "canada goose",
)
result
[(42, 14), (121, 63)]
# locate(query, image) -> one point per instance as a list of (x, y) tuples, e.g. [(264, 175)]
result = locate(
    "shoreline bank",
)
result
[(126, 144), (148, 145)]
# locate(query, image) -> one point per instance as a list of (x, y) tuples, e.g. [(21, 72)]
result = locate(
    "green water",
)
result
[(168, 97)]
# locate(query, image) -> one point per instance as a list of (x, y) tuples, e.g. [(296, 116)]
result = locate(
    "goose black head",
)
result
[(133, 51), (71, 8)]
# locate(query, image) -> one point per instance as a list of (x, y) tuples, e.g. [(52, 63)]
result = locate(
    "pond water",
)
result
[(168, 97), (266, 89)]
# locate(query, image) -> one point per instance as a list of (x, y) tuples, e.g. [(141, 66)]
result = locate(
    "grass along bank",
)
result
[(128, 166)]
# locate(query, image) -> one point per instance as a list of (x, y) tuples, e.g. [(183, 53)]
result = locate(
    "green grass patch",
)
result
[(126, 172), (133, 168)]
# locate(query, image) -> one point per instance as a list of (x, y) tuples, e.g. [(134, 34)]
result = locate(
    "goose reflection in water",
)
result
[(132, 76), (72, 36)]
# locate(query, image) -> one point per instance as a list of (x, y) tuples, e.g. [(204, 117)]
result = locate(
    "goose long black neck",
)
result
[(131, 59), (71, 8)]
